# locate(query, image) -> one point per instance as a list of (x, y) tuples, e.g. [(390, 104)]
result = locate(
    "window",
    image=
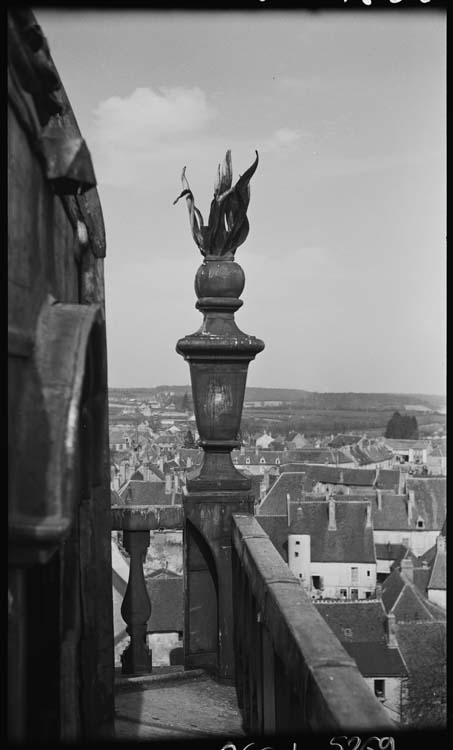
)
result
[(344, 593), (347, 632), (379, 689), (420, 523), (354, 594), (316, 581), (262, 460), (277, 460), (367, 594), (296, 554), (354, 575), (247, 460), (368, 572), (298, 542)]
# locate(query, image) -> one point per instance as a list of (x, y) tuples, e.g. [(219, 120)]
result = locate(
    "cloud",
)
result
[(282, 140), (130, 132)]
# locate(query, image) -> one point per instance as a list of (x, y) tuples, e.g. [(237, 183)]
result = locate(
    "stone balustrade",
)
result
[(292, 673), (136, 522)]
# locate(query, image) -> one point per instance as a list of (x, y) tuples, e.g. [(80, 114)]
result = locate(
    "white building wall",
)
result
[(300, 557), (335, 576), (418, 541), (392, 700), (438, 596)]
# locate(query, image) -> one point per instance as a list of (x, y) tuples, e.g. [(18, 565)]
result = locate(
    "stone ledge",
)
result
[(124, 683)]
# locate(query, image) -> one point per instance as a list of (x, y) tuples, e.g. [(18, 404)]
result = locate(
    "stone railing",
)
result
[(136, 522), (292, 673)]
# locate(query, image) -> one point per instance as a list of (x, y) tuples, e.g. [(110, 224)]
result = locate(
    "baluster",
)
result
[(136, 607)]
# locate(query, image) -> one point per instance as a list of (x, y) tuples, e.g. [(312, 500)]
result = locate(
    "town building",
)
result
[(331, 549)]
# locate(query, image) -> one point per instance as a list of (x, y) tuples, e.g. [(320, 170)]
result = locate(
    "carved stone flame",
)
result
[(228, 225)]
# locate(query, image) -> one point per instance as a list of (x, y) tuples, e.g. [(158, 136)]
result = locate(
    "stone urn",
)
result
[(219, 352)]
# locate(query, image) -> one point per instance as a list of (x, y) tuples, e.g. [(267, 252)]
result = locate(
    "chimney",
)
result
[(391, 631), (368, 523), (242, 449), (410, 507), (168, 484), (161, 464), (341, 477), (299, 512), (401, 483), (376, 479), (332, 520), (379, 499), (407, 568), (379, 592), (288, 503)]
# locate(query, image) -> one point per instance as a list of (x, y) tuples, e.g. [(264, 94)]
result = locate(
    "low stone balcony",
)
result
[(174, 704), (292, 675)]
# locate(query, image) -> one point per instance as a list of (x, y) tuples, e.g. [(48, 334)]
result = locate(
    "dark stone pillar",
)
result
[(218, 355)]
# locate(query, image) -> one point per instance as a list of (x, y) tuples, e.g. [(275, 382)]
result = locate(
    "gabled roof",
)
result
[(422, 644), (275, 502), (430, 496), (384, 479), (340, 440), (146, 493), (376, 659), (438, 578), (361, 628), (393, 513), (167, 604), (351, 541), (406, 601), (366, 620)]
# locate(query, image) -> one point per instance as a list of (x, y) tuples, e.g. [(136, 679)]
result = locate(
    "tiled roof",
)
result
[(275, 502), (376, 659), (438, 578), (146, 493), (361, 628), (340, 440), (422, 644), (430, 499), (352, 541), (384, 479), (156, 471), (365, 619), (167, 605), (392, 516), (407, 602), (368, 452)]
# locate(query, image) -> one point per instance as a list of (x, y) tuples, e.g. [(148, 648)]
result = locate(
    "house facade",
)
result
[(331, 549)]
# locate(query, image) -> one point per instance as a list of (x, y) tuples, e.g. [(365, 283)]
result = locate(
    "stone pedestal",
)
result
[(218, 355)]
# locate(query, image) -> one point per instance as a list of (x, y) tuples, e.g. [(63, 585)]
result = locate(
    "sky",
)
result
[(345, 262)]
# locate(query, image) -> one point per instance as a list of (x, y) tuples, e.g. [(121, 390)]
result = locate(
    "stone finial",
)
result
[(228, 225)]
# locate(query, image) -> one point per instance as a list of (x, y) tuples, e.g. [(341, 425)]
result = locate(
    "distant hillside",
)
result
[(305, 399)]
